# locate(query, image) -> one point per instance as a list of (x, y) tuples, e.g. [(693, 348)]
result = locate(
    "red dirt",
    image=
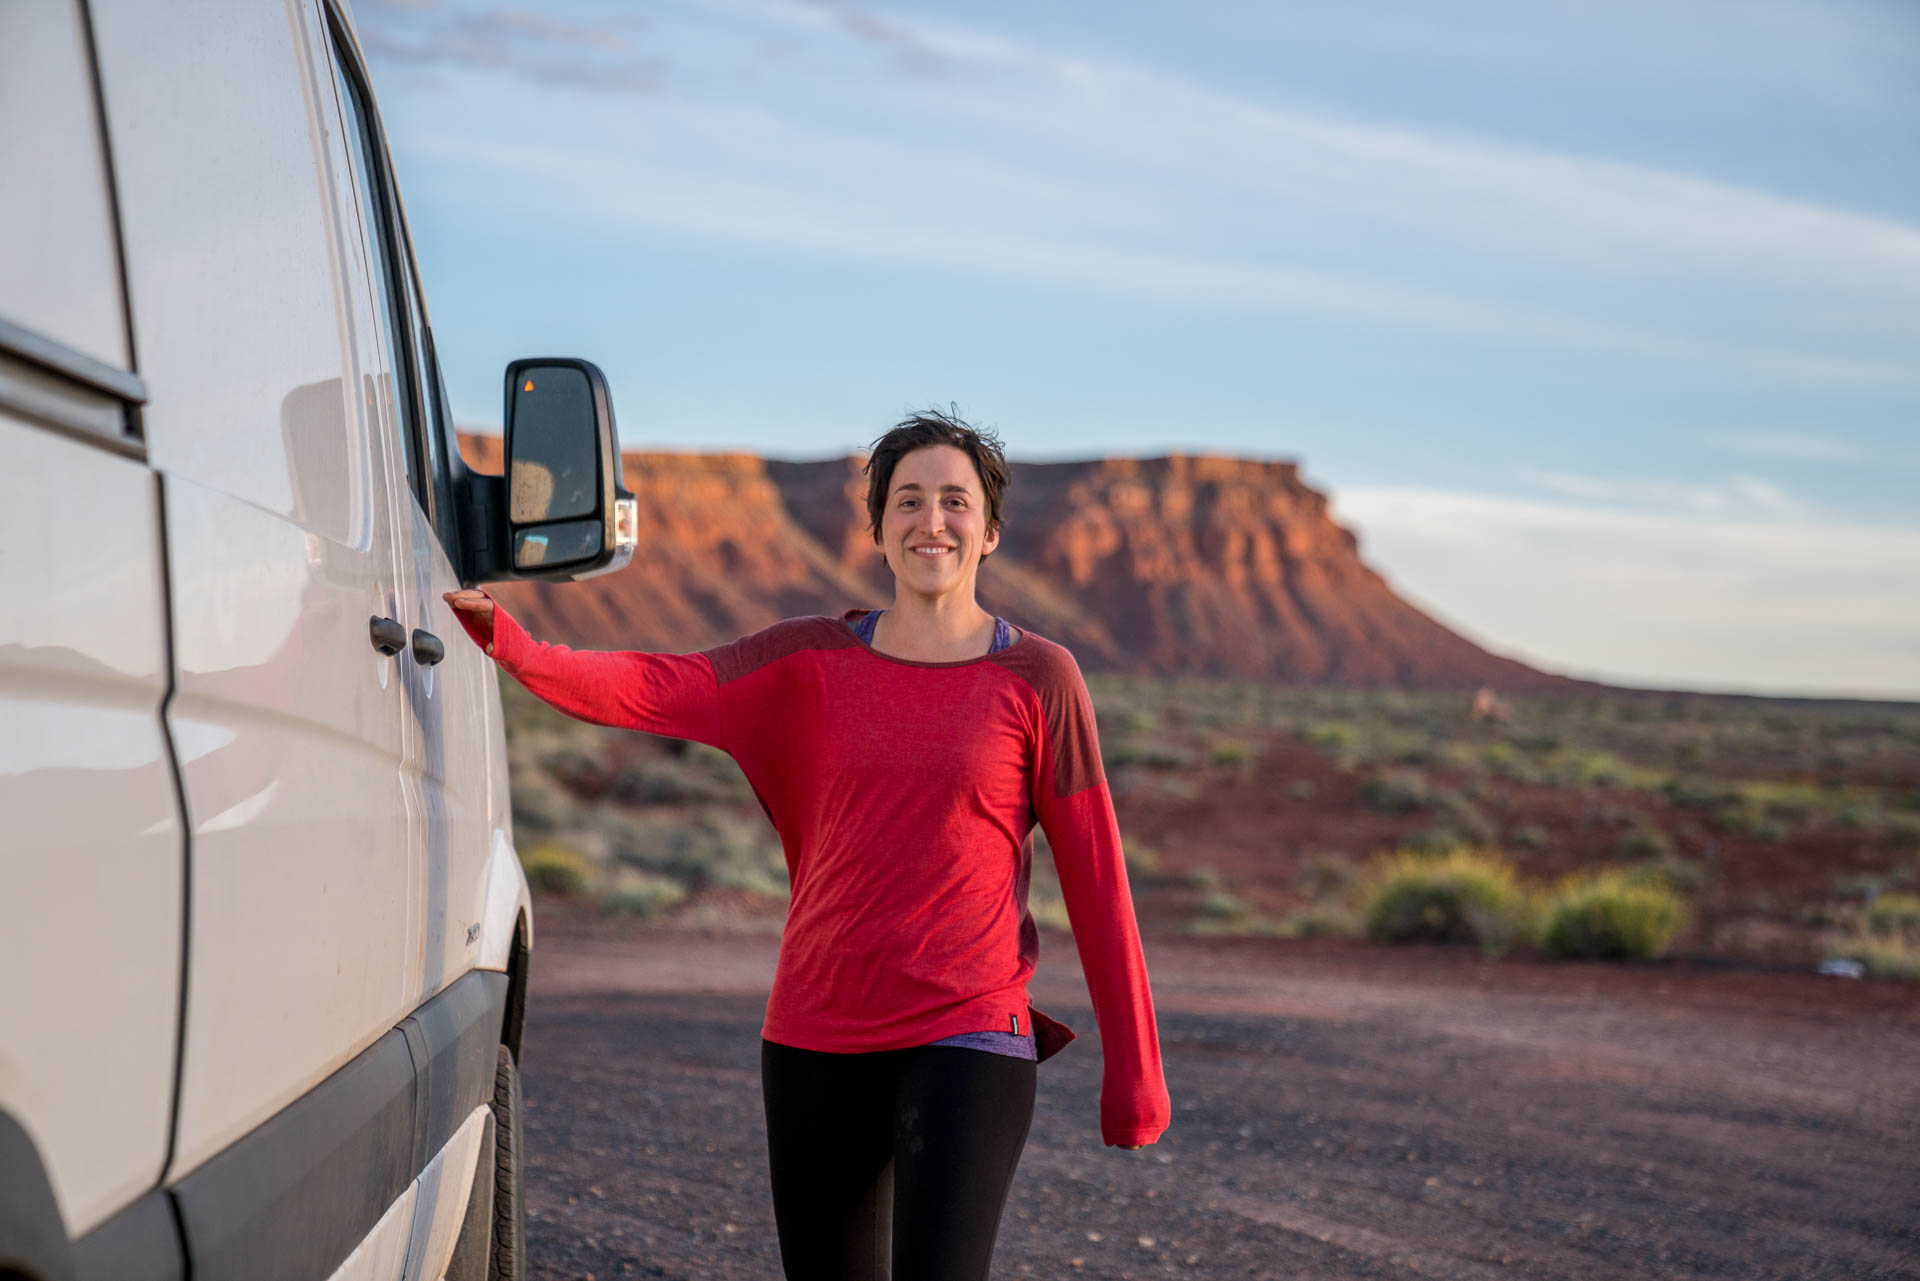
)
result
[(1341, 1111)]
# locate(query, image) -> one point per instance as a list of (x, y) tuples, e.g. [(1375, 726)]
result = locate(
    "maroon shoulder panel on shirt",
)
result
[(1053, 675), (752, 652)]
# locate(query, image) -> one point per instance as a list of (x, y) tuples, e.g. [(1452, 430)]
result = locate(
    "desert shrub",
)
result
[(1861, 888), (642, 895), (1860, 816), (1692, 794), (1335, 738), (1321, 921), (1894, 915), (1904, 829), (1465, 896), (1229, 751), (1883, 956), (1528, 836), (1681, 875), (557, 869), (1141, 861), (1396, 791), (1326, 875), (1204, 878), (1217, 903), (1611, 916), (1152, 755), (580, 772), (1643, 842), (1440, 838), (665, 781), (1123, 720), (1301, 789)]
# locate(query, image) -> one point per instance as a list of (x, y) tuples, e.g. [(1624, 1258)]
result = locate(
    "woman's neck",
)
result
[(927, 631)]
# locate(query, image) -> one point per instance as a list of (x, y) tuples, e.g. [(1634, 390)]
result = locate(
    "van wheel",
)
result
[(508, 1261)]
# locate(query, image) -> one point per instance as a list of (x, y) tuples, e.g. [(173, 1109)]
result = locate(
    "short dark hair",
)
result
[(934, 427)]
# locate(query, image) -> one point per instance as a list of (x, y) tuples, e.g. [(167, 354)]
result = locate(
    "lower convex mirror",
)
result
[(561, 543)]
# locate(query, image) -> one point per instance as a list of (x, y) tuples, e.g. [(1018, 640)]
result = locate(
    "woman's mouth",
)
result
[(930, 551)]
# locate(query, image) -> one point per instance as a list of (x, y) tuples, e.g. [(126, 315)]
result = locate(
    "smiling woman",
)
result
[(905, 757)]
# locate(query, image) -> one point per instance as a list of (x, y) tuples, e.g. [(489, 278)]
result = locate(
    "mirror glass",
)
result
[(554, 473), (560, 544)]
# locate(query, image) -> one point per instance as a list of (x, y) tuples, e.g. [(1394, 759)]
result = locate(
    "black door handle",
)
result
[(427, 649), (388, 636)]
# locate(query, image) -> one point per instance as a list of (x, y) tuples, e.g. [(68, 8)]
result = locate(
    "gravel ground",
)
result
[(1340, 1111)]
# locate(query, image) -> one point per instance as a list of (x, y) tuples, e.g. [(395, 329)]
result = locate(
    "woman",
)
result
[(904, 756)]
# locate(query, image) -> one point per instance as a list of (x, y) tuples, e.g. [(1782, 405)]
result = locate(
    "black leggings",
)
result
[(918, 1145)]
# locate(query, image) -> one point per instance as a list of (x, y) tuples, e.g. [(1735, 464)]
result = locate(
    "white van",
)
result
[(263, 933)]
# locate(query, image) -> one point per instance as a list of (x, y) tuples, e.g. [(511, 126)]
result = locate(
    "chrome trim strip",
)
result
[(65, 361)]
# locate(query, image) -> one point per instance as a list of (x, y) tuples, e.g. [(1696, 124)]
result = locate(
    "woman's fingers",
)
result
[(470, 601)]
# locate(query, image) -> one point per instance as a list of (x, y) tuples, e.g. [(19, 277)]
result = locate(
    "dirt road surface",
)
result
[(1340, 1111)]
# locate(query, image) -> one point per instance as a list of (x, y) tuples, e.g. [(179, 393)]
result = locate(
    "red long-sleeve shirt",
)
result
[(904, 794)]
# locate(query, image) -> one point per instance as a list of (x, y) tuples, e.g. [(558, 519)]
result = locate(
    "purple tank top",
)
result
[(1014, 1043)]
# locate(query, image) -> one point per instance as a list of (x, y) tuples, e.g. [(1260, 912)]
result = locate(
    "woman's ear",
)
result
[(987, 544)]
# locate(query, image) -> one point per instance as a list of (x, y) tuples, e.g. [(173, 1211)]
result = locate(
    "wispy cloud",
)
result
[(1798, 446), (1792, 605), (1751, 495), (525, 43), (1115, 177)]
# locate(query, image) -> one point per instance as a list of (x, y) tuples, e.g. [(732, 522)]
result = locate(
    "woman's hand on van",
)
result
[(474, 609)]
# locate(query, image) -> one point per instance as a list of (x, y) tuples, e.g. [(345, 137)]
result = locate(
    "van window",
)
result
[(59, 265), (362, 149)]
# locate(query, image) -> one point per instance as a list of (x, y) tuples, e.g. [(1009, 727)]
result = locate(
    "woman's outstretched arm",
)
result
[(672, 694)]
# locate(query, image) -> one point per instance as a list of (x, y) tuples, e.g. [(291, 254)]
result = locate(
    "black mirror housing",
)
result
[(560, 512)]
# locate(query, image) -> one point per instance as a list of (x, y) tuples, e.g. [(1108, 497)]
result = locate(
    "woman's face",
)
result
[(934, 527)]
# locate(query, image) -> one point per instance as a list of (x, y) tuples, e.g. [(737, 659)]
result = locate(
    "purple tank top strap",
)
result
[(864, 625)]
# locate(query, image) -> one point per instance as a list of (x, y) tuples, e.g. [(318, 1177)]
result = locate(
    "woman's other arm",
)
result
[(672, 694), (1075, 810)]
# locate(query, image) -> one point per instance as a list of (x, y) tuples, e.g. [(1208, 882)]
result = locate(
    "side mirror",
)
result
[(567, 515)]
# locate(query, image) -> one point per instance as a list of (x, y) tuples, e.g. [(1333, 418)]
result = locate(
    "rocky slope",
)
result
[(1184, 565)]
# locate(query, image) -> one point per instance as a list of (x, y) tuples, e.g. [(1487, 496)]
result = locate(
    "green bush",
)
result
[(1681, 875), (1218, 903), (1301, 789), (1895, 916), (1229, 752), (1396, 791), (638, 894), (1529, 836), (1150, 754), (1141, 861), (1643, 842), (1889, 957), (1612, 915), (1327, 875), (556, 869), (1463, 896), (1320, 921)]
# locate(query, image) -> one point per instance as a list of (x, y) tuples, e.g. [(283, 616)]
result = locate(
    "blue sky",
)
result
[(1599, 321)]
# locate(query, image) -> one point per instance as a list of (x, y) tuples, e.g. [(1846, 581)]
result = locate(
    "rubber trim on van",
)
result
[(140, 1243), (293, 1198), (32, 1239)]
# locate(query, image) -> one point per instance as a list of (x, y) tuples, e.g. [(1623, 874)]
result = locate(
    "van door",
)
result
[(287, 720), (451, 693)]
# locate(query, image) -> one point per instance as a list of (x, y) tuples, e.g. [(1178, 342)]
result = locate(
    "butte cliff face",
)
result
[(1186, 565)]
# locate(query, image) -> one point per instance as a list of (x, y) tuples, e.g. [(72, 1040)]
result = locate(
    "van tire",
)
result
[(508, 1261)]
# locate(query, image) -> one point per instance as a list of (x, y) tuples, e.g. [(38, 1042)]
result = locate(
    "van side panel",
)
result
[(92, 844), (287, 723)]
